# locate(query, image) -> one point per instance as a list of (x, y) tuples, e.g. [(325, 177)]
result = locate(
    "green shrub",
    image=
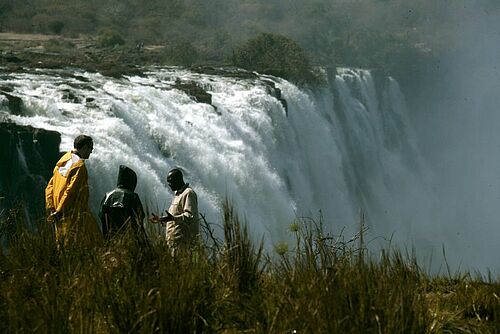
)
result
[(277, 55), (180, 51), (56, 45), (56, 27), (109, 38)]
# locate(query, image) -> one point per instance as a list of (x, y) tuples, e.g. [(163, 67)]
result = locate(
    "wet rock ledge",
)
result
[(27, 157)]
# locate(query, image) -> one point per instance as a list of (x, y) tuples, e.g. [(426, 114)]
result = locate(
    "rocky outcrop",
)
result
[(27, 158), (276, 93), (194, 90), (13, 103), (231, 72)]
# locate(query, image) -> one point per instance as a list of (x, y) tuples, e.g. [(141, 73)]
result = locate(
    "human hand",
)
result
[(168, 217), (49, 212), (54, 216), (154, 219)]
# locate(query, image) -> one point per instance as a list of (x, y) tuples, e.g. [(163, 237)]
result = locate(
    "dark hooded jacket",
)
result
[(122, 208)]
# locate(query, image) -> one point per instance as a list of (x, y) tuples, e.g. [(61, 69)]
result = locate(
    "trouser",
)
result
[(82, 229)]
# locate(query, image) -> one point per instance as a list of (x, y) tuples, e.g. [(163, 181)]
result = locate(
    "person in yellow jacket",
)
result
[(67, 195)]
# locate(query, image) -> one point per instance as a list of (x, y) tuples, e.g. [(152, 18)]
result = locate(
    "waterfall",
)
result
[(344, 148)]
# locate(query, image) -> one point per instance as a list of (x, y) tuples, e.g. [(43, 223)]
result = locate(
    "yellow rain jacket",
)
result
[(68, 193)]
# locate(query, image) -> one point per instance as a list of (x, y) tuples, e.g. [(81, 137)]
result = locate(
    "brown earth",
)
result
[(24, 52), (8, 36), (21, 52)]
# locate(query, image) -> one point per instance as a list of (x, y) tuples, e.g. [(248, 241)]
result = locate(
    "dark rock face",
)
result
[(232, 72), (15, 104), (276, 92), (28, 156), (195, 91)]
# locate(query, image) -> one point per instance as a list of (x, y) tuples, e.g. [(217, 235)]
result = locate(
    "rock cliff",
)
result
[(27, 157)]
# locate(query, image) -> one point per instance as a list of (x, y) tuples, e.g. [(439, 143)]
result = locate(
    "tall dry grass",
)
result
[(322, 284)]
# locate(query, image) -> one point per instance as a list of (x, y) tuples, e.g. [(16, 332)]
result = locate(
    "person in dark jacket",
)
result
[(122, 208)]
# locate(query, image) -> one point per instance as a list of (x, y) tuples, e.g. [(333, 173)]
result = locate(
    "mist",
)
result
[(459, 136)]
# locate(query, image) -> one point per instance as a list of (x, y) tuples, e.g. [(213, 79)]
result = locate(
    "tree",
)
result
[(180, 51), (56, 27), (276, 55), (109, 38)]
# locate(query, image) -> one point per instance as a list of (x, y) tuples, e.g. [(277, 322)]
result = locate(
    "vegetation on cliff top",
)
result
[(400, 37), (276, 55)]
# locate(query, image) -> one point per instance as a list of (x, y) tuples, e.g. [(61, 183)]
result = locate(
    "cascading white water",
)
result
[(344, 148)]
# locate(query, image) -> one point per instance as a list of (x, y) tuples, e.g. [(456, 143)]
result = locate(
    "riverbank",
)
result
[(21, 52), (25, 52)]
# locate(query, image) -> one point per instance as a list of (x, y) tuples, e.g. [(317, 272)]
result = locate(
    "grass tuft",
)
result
[(319, 284)]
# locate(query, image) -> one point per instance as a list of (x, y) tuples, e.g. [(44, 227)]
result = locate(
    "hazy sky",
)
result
[(463, 130)]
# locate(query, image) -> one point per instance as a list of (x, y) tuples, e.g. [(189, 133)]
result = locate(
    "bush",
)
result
[(56, 27), (277, 55), (109, 38), (180, 51), (55, 45)]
